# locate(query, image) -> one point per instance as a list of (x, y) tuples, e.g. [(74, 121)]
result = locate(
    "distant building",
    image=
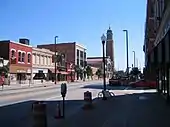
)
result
[(42, 64), (97, 62), (75, 53), (20, 58)]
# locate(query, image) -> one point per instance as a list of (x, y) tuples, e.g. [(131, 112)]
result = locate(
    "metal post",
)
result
[(134, 59), (127, 59), (63, 107), (84, 66), (104, 73), (55, 42)]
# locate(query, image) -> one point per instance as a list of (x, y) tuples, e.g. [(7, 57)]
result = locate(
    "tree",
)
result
[(78, 71), (4, 70), (99, 73), (135, 71), (89, 71)]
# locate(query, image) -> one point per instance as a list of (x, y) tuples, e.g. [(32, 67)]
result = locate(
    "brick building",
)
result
[(74, 53), (20, 58), (157, 44), (97, 62)]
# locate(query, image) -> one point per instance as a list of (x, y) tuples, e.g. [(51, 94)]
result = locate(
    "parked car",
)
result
[(143, 83), (114, 82)]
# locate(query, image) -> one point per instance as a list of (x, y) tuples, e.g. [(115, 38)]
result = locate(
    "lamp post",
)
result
[(103, 39), (84, 68), (127, 59), (134, 58), (55, 58)]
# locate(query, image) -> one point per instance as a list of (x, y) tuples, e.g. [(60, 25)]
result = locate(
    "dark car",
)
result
[(114, 82)]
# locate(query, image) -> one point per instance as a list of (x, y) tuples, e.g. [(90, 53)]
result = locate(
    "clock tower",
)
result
[(110, 45)]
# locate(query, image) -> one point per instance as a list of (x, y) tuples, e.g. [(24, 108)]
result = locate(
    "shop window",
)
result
[(23, 57), (29, 58), (19, 56)]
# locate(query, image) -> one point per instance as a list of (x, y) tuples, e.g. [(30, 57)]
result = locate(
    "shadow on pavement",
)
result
[(134, 110), (131, 110), (121, 87), (20, 114), (96, 86)]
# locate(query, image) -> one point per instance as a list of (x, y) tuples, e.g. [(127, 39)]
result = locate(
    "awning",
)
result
[(53, 70), (64, 72)]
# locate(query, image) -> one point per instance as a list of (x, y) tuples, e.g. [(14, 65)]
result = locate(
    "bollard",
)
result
[(87, 100), (39, 114), (58, 112)]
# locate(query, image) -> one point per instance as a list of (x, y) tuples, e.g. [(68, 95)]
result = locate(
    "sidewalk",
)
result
[(135, 110), (45, 84)]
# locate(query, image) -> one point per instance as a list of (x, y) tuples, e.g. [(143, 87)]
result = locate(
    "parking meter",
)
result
[(63, 89)]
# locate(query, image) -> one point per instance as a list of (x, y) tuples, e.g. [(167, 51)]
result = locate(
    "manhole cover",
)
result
[(142, 98)]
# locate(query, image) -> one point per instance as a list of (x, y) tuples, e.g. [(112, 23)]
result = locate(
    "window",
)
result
[(84, 55), (29, 58), (23, 57), (12, 53), (81, 63), (77, 61), (81, 54), (19, 56), (77, 52)]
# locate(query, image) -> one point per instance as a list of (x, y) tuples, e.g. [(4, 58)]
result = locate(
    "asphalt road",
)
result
[(16, 105)]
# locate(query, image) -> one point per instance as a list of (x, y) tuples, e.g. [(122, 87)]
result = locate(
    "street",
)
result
[(16, 105)]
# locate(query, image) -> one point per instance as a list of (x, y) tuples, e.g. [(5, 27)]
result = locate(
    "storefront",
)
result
[(163, 66), (40, 73), (20, 73)]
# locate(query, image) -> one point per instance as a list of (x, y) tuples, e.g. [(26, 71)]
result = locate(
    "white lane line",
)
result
[(54, 97)]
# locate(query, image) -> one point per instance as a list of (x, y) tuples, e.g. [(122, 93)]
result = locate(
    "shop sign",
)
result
[(21, 71)]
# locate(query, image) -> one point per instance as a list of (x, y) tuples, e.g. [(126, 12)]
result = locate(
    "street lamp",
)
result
[(127, 59), (134, 58), (55, 58), (103, 39)]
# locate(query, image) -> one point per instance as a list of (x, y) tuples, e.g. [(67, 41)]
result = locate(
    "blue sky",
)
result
[(83, 21)]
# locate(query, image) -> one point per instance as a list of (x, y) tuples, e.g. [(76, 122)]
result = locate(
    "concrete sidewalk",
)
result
[(45, 84), (135, 110)]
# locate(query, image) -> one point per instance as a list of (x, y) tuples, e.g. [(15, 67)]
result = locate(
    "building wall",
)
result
[(67, 48), (80, 56), (4, 49), (42, 58), (23, 49), (22, 61)]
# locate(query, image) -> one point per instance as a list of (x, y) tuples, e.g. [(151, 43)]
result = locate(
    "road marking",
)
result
[(54, 97)]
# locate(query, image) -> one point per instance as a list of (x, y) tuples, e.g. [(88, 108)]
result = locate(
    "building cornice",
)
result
[(164, 26)]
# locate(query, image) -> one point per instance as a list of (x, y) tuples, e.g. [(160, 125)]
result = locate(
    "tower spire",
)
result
[(109, 27)]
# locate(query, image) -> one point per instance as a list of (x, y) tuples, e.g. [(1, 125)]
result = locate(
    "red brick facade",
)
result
[(19, 56), (67, 48)]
